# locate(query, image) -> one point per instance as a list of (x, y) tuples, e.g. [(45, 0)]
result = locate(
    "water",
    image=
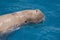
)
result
[(48, 30)]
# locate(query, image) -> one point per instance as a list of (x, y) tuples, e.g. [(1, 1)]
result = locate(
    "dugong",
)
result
[(12, 21)]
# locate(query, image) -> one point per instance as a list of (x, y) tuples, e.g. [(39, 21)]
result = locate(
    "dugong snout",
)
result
[(37, 16)]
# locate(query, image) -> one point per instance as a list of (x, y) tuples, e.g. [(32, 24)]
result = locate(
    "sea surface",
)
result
[(47, 30)]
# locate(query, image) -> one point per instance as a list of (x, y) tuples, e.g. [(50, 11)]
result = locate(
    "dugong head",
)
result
[(36, 16)]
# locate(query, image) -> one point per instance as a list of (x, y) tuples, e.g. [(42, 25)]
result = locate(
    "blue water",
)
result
[(47, 30)]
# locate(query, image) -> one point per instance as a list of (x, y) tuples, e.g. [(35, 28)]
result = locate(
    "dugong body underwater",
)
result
[(9, 22)]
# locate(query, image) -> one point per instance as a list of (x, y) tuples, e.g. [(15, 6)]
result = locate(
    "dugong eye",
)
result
[(26, 21)]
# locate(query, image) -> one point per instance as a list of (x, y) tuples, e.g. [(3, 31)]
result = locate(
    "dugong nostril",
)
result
[(37, 10)]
